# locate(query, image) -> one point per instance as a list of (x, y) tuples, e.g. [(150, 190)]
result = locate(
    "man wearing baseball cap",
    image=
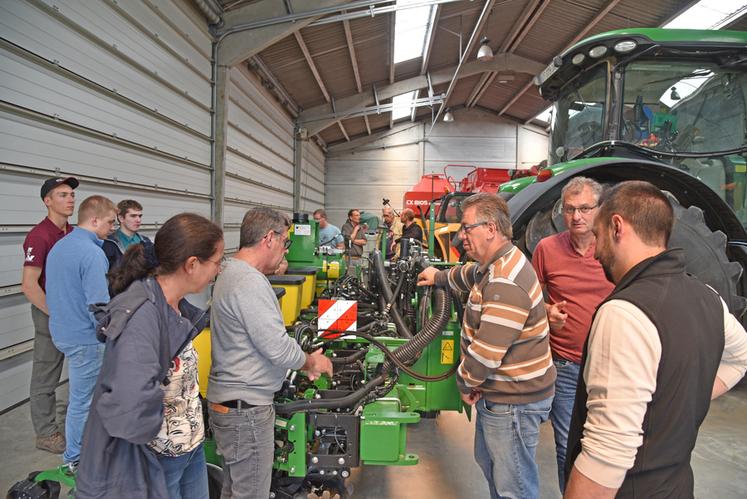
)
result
[(59, 198)]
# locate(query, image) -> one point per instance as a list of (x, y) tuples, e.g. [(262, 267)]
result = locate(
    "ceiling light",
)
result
[(578, 59), (448, 117), (485, 53)]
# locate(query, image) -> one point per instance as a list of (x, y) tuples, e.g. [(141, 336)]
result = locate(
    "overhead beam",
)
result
[(430, 36), (344, 132), (529, 17), (353, 58), (473, 40), (579, 36), (316, 120), (392, 22), (312, 66), (368, 125), (264, 27)]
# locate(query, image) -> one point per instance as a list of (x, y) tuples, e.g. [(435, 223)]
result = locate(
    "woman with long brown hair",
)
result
[(145, 430)]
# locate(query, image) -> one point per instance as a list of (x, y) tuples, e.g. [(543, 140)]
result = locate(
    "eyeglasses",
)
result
[(466, 228), (221, 263), (584, 210), (287, 243)]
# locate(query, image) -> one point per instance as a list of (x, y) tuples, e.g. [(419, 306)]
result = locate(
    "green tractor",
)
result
[(665, 106)]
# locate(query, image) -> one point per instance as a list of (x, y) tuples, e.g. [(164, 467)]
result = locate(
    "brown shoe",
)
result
[(55, 443)]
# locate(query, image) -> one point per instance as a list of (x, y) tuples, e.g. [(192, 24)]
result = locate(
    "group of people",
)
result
[(603, 333), (64, 272), (113, 303)]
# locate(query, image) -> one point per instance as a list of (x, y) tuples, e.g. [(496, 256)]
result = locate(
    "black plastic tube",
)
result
[(338, 403), (378, 264)]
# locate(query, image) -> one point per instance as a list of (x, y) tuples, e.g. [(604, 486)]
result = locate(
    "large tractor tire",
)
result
[(705, 251)]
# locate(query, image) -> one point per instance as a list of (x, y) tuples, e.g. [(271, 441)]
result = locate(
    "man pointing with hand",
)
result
[(574, 285)]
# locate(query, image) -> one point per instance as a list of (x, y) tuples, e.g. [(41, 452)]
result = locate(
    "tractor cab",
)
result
[(675, 96)]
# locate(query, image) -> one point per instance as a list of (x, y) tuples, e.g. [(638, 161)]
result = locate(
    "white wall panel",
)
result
[(312, 178), (259, 158), (48, 34), (116, 93), (361, 173), (30, 85), (361, 176), (533, 146)]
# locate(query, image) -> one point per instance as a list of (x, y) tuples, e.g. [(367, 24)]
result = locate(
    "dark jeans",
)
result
[(186, 475), (246, 440), (45, 375)]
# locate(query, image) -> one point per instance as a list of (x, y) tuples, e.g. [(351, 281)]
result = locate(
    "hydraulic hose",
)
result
[(349, 359), (338, 403), (389, 295), (410, 350), (400, 364)]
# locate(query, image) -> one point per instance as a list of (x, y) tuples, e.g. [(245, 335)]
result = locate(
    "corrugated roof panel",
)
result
[(370, 36), (355, 126), (331, 134), (281, 54), (462, 90), (445, 51)]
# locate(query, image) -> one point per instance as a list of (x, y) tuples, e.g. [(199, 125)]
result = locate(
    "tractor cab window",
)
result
[(578, 117), (693, 106), (451, 212), (684, 106)]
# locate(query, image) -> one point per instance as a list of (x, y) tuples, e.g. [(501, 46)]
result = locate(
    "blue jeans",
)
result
[(83, 366), (246, 440), (562, 409), (506, 437), (186, 475)]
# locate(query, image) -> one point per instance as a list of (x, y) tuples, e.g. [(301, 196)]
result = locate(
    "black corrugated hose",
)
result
[(378, 264)]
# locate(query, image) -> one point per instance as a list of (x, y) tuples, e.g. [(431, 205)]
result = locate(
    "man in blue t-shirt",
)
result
[(329, 235), (76, 279)]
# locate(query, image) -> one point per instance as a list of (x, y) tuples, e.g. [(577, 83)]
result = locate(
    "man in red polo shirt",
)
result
[(59, 198), (574, 285)]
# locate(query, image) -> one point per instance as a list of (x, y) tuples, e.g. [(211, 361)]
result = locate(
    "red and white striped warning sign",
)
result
[(337, 315)]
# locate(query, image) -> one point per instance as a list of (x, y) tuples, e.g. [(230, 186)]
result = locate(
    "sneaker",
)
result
[(69, 468), (55, 443)]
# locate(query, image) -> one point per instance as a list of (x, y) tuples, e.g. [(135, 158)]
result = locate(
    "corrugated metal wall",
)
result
[(312, 178), (118, 93), (360, 174), (259, 156), (359, 177)]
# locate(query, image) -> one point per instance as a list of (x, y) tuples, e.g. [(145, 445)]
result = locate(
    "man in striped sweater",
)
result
[(506, 367)]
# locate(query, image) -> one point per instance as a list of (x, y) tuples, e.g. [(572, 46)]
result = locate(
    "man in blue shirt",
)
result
[(130, 216), (76, 278), (329, 235)]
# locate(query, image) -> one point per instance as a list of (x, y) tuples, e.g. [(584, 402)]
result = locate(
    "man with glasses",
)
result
[(506, 369), (251, 354), (574, 285)]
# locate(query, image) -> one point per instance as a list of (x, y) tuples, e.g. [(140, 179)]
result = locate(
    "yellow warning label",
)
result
[(447, 352)]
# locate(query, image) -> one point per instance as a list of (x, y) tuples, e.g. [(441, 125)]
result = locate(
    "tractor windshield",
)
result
[(579, 114), (684, 107), (693, 106)]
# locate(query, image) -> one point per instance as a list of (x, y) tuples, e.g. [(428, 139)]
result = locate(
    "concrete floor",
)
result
[(447, 469)]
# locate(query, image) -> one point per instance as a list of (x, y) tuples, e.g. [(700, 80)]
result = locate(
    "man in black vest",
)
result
[(661, 346)]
